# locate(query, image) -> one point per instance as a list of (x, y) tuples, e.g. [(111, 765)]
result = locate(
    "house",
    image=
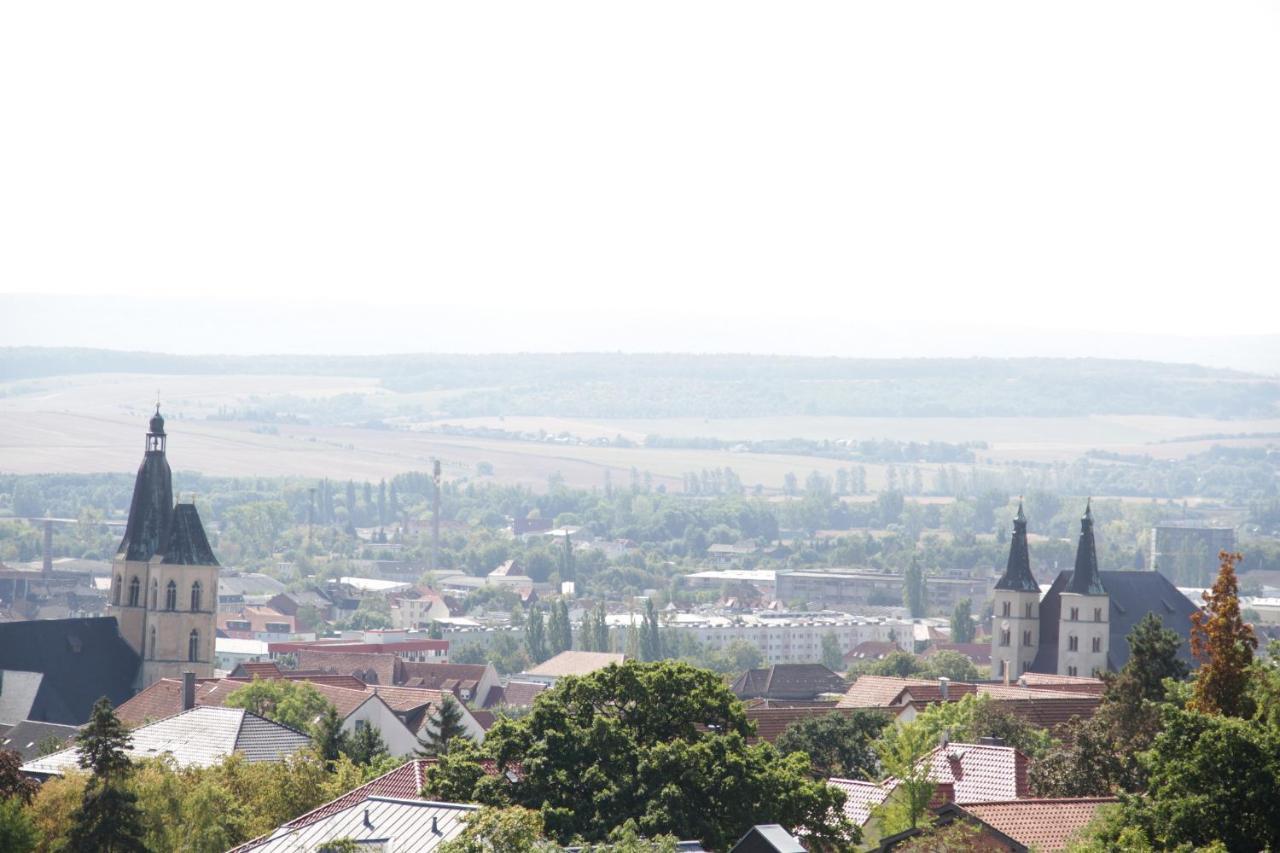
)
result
[(406, 825), (54, 670), (520, 694), (1017, 826), (869, 650), (256, 623), (768, 838), (728, 554), (28, 737), (964, 773), (772, 722), (236, 589), (571, 663), (788, 681), (472, 683), (418, 607), (302, 604), (508, 569), (1082, 624), (199, 737)]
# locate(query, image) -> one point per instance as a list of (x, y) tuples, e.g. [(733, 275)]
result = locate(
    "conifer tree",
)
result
[(327, 735), (913, 594), (650, 639), (1224, 644), (555, 630), (445, 725), (108, 819), (601, 628), (565, 640), (962, 627)]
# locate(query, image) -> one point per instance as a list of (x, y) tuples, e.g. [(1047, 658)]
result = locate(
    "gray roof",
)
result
[(200, 737), (18, 691), (1132, 596), (25, 737), (81, 660), (768, 838), (249, 583), (1017, 574), (402, 825)]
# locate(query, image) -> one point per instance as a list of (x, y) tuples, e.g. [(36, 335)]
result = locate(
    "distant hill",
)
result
[(612, 385)]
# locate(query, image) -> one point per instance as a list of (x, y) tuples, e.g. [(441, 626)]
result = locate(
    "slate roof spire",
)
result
[(1086, 580), (155, 525), (1017, 574), (152, 506)]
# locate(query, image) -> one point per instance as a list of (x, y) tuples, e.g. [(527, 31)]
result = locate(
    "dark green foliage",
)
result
[(365, 745), (1210, 778), (446, 725), (900, 664), (913, 592), (17, 832), (327, 735), (535, 636), (962, 625), (832, 657), (837, 744), (650, 636), (13, 783), (108, 819), (661, 743)]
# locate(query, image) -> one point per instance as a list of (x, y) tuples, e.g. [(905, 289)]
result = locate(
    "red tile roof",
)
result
[(1067, 683), (369, 668), (876, 691), (163, 698), (772, 722), (870, 650), (520, 694), (860, 798), (980, 773), (1044, 825)]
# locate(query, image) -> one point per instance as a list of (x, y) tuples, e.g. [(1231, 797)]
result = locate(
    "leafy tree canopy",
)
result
[(296, 704)]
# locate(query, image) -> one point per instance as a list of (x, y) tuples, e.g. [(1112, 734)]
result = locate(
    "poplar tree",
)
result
[(535, 636)]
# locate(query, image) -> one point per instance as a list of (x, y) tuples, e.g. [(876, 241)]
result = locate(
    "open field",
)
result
[(94, 423)]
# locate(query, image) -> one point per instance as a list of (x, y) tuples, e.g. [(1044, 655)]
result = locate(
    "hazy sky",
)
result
[(889, 168)]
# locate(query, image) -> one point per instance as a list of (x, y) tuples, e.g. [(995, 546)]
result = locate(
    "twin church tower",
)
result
[(164, 579), (1069, 632)]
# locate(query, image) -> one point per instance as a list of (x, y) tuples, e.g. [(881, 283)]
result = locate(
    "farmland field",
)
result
[(94, 423)]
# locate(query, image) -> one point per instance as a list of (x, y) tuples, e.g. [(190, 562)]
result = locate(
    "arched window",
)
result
[(135, 587), (193, 646), (115, 593), (171, 596), (155, 594), (195, 596), (152, 648)]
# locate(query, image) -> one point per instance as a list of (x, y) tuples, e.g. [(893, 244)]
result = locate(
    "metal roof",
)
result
[(402, 825)]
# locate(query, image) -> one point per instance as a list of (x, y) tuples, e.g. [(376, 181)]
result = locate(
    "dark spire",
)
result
[(1086, 580), (1017, 575), (152, 505)]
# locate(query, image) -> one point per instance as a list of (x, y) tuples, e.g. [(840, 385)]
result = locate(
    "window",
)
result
[(134, 588), (171, 596), (1026, 665), (1030, 610), (115, 593), (1005, 608), (151, 653), (155, 594), (1097, 614), (1026, 638), (193, 646), (1073, 643), (1004, 637), (195, 596), (1004, 665), (1097, 644), (1075, 614), (1071, 670)]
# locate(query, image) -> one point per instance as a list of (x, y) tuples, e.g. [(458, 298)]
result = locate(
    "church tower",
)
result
[(1015, 635), (164, 579), (1084, 629)]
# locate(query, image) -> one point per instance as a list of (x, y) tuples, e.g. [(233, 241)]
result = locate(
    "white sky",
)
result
[(1096, 166)]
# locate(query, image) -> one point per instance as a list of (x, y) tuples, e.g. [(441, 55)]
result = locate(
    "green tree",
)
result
[(1224, 644), (1210, 779), (556, 629), (535, 636), (962, 624), (445, 725), (898, 664), (296, 704), (600, 628), (902, 750), (661, 743), (837, 744), (650, 637), (493, 829), (17, 829), (913, 593), (832, 657), (365, 746), (328, 737), (949, 664), (108, 819)]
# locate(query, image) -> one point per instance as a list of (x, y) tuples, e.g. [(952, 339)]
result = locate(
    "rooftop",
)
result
[(575, 663), (1043, 825)]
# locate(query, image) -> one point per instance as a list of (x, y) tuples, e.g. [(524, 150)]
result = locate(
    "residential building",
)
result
[(164, 590), (849, 589), (788, 681), (570, 663), (199, 737), (28, 738)]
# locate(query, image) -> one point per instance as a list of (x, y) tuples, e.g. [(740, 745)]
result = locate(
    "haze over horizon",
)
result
[(931, 179)]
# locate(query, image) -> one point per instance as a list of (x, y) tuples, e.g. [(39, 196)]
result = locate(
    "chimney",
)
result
[(188, 690), (435, 828), (944, 738), (943, 684)]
